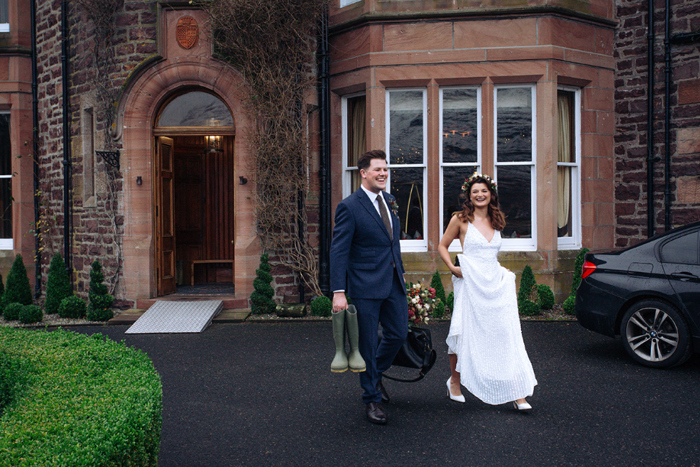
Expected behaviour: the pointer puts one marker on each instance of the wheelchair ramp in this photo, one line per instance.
(176, 317)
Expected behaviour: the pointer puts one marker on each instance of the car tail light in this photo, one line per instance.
(587, 269)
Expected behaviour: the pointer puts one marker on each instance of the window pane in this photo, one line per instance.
(406, 127)
(4, 11)
(682, 250)
(514, 194)
(564, 200)
(453, 196)
(356, 141)
(514, 123)
(459, 125)
(407, 187)
(5, 147)
(5, 208)
(196, 109)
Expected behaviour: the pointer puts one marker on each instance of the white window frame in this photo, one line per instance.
(347, 170)
(574, 242)
(7, 243)
(422, 244)
(520, 244)
(455, 245)
(348, 2)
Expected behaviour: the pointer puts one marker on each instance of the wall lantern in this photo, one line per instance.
(214, 143)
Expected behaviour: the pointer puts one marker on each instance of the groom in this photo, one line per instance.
(366, 263)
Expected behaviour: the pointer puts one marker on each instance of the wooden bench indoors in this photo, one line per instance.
(211, 261)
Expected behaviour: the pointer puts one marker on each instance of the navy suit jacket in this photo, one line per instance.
(363, 257)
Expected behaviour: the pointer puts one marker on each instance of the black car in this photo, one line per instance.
(649, 294)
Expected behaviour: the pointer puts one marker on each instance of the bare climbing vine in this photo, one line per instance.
(102, 15)
(272, 43)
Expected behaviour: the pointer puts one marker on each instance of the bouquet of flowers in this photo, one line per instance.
(421, 303)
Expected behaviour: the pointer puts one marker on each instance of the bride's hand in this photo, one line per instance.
(457, 271)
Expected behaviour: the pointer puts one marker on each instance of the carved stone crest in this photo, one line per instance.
(187, 32)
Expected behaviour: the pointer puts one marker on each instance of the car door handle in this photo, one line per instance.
(684, 276)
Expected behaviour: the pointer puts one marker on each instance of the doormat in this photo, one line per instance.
(209, 288)
(176, 317)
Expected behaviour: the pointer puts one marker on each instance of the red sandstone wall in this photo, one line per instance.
(631, 63)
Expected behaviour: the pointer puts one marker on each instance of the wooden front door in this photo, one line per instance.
(165, 219)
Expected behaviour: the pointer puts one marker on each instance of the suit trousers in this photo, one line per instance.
(392, 313)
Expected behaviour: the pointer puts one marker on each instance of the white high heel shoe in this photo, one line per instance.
(459, 398)
(524, 407)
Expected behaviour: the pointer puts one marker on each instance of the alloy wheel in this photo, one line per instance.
(652, 334)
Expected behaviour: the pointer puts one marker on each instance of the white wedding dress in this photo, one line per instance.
(485, 328)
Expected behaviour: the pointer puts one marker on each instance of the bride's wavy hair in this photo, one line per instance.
(498, 220)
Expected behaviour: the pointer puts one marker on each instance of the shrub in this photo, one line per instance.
(261, 299)
(436, 283)
(439, 311)
(89, 401)
(30, 314)
(72, 307)
(57, 286)
(529, 308)
(11, 380)
(545, 296)
(578, 268)
(451, 301)
(570, 305)
(17, 288)
(11, 312)
(527, 283)
(321, 306)
(527, 294)
(100, 306)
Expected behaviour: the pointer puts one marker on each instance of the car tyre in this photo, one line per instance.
(655, 334)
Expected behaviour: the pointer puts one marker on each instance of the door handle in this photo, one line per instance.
(684, 276)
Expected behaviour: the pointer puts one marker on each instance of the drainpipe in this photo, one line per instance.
(66, 137)
(667, 119)
(650, 123)
(325, 155)
(35, 150)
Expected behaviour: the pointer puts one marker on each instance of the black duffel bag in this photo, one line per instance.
(416, 352)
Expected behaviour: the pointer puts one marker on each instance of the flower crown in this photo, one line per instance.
(479, 178)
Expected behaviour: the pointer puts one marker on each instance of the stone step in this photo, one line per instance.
(230, 302)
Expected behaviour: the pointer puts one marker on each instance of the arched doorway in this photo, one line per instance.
(194, 194)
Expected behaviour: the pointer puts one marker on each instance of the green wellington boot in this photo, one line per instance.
(355, 360)
(340, 361)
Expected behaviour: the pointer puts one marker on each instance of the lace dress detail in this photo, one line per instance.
(485, 328)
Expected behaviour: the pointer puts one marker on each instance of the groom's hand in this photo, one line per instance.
(340, 302)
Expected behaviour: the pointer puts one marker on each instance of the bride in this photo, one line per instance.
(485, 345)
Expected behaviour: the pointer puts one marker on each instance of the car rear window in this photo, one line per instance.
(683, 249)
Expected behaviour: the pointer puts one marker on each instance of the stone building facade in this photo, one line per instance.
(522, 92)
(679, 195)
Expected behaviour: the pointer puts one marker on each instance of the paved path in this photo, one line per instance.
(262, 394)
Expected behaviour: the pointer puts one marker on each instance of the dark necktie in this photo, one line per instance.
(385, 216)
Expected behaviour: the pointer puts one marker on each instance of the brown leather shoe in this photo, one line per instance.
(385, 395)
(375, 413)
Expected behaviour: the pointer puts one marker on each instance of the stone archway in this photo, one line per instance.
(141, 102)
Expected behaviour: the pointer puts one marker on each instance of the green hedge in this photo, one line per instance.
(85, 401)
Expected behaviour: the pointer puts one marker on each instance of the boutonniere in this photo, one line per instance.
(393, 205)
